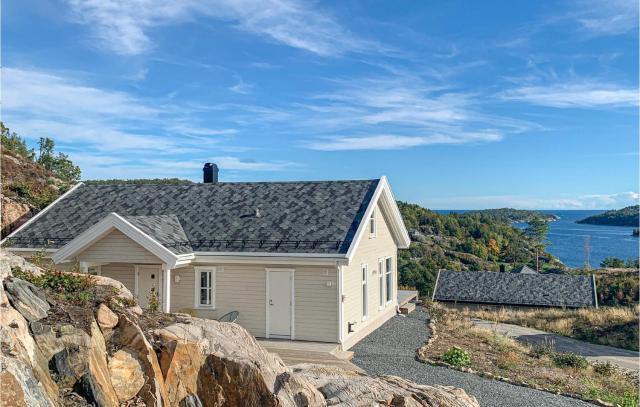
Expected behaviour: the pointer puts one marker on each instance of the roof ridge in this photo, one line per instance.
(196, 184)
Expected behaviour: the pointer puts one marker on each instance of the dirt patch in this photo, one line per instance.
(66, 314)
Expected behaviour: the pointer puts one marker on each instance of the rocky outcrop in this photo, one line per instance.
(24, 364)
(343, 388)
(127, 376)
(236, 371)
(130, 337)
(71, 355)
(106, 318)
(14, 214)
(27, 299)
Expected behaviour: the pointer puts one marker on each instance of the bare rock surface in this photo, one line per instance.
(130, 337)
(106, 318)
(24, 365)
(14, 261)
(237, 370)
(27, 299)
(127, 376)
(13, 213)
(349, 388)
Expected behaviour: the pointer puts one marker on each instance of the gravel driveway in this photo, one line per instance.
(391, 350)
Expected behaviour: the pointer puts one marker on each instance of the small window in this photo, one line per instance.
(372, 224)
(389, 278)
(365, 305)
(204, 287)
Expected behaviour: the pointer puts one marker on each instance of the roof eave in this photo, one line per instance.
(384, 195)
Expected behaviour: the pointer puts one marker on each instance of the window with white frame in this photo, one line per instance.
(372, 224)
(380, 283)
(205, 294)
(389, 278)
(365, 305)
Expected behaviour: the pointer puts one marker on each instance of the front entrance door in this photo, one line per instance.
(149, 281)
(279, 303)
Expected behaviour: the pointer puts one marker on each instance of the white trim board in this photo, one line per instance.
(389, 207)
(42, 212)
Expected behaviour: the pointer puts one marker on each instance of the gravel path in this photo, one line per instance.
(391, 350)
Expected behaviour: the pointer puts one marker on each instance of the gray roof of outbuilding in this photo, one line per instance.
(545, 290)
(294, 217)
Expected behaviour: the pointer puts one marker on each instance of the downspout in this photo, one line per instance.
(340, 306)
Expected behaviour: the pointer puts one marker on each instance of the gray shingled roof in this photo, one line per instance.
(548, 290)
(165, 229)
(294, 217)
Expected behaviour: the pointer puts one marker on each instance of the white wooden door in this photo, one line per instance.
(280, 304)
(149, 279)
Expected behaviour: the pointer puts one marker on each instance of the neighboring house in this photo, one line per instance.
(487, 289)
(311, 261)
(524, 270)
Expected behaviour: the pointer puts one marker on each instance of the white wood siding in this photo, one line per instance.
(123, 272)
(368, 252)
(316, 305)
(242, 288)
(117, 247)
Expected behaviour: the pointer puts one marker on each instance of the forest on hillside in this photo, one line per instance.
(471, 241)
(628, 216)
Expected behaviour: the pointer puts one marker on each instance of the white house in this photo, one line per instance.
(311, 261)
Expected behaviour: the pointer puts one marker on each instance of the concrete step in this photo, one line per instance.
(343, 354)
(407, 308)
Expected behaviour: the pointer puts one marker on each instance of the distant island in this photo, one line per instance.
(620, 217)
(515, 215)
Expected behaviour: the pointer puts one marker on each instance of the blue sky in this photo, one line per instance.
(462, 104)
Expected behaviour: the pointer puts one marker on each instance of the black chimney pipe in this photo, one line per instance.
(210, 171)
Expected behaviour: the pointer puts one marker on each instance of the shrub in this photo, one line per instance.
(604, 369)
(68, 287)
(456, 356)
(154, 301)
(569, 359)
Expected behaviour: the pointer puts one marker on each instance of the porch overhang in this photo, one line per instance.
(115, 221)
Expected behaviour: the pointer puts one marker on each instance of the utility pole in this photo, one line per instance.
(587, 251)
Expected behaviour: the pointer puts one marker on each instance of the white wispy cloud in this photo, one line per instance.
(577, 95)
(608, 17)
(241, 86)
(234, 163)
(39, 103)
(400, 111)
(123, 25)
(112, 133)
(396, 142)
(586, 201)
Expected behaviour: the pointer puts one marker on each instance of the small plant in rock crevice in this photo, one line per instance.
(153, 301)
(456, 356)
